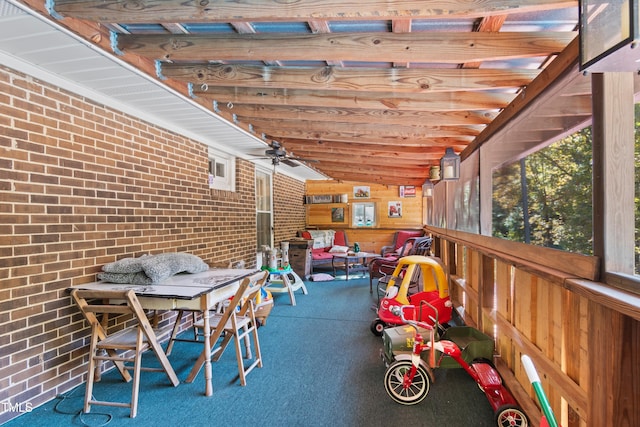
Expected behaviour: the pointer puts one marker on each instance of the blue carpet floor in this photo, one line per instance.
(321, 368)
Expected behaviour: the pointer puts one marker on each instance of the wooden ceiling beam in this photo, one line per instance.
(411, 80)
(302, 10)
(402, 140)
(425, 130)
(386, 176)
(357, 167)
(438, 101)
(372, 150)
(364, 159)
(372, 165)
(378, 179)
(435, 47)
(357, 115)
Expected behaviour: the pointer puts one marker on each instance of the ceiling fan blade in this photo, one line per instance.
(302, 159)
(290, 162)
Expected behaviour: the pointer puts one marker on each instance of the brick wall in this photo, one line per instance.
(288, 211)
(82, 185)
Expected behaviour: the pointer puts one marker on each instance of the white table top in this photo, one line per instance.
(180, 286)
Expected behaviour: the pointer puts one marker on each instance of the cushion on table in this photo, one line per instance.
(149, 269)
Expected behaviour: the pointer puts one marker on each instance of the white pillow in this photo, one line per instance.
(339, 249)
(321, 277)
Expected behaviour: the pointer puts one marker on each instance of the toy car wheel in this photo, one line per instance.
(395, 386)
(510, 415)
(377, 327)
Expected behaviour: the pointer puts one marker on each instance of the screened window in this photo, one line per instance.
(545, 198)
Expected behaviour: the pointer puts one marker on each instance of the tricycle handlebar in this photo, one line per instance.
(398, 310)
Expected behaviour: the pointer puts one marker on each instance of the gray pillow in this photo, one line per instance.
(149, 269)
(138, 278)
(125, 265)
(162, 266)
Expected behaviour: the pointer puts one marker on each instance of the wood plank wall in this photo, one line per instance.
(370, 239)
(583, 336)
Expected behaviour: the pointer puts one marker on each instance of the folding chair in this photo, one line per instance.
(237, 322)
(116, 347)
(241, 325)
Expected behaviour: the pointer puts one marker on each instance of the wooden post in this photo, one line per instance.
(613, 340)
(613, 171)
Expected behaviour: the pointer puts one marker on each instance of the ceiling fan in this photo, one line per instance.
(278, 155)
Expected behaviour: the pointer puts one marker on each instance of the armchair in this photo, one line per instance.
(384, 265)
(399, 240)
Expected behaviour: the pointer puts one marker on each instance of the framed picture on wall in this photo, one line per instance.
(337, 214)
(407, 191)
(395, 210)
(361, 192)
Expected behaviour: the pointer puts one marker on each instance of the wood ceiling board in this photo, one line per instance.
(449, 47)
(303, 10)
(359, 115)
(353, 79)
(437, 101)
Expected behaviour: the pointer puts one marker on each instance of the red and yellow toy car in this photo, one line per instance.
(432, 299)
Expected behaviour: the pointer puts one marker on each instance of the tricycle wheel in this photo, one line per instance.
(377, 327)
(511, 415)
(412, 393)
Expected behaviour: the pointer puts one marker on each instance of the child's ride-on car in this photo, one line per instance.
(415, 270)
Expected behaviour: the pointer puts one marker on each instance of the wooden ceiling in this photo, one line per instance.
(372, 91)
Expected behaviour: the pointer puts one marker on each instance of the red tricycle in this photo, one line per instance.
(408, 376)
(411, 270)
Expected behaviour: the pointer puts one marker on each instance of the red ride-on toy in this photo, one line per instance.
(428, 274)
(409, 374)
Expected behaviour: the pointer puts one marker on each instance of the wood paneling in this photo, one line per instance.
(583, 336)
(370, 238)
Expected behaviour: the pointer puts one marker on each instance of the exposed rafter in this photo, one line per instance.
(354, 79)
(441, 47)
(438, 101)
(303, 10)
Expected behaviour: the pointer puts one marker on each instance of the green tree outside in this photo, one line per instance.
(556, 182)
